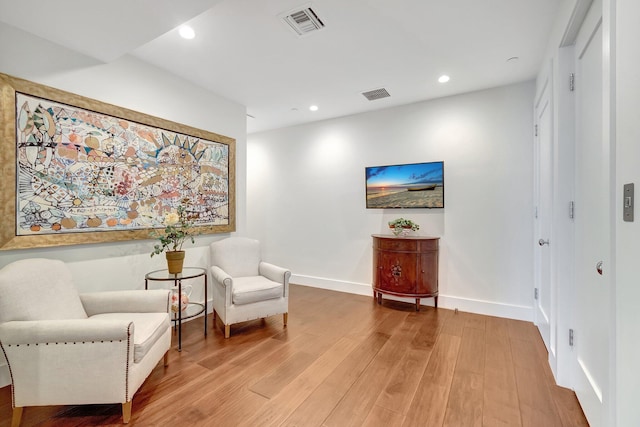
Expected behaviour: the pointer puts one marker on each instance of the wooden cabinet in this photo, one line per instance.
(405, 267)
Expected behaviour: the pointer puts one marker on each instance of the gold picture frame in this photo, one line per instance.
(76, 170)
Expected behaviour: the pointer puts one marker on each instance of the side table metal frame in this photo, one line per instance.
(187, 273)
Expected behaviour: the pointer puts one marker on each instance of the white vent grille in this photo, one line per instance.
(303, 21)
(372, 95)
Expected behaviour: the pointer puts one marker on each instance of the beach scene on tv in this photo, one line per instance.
(417, 185)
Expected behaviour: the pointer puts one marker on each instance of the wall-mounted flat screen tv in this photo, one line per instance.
(415, 185)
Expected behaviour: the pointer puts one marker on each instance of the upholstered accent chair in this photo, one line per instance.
(244, 286)
(66, 348)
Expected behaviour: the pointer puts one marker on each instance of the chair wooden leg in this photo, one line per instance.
(166, 359)
(227, 331)
(17, 416)
(285, 318)
(126, 412)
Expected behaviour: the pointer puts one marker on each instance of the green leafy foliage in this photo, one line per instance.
(178, 229)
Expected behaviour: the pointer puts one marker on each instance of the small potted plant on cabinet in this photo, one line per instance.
(401, 226)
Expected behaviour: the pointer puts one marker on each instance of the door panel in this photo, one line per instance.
(544, 242)
(592, 314)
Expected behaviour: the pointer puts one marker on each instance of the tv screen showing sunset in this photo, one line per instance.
(416, 185)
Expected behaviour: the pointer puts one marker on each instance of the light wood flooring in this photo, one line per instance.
(344, 361)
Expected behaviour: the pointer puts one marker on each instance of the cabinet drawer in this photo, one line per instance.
(428, 245)
(396, 244)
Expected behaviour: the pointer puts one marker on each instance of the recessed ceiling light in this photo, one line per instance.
(313, 108)
(443, 78)
(186, 32)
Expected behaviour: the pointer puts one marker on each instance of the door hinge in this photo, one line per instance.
(572, 82)
(572, 207)
(570, 337)
(536, 130)
(535, 293)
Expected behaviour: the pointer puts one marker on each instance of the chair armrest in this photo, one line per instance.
(62, 331)
(220, 277)
(136, 301)
(275, 273)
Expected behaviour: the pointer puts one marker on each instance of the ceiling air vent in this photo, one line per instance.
(303, 21)
(372, 95)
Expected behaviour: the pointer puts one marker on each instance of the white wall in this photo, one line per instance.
(627, 60)
(129, 83)
(306, 200)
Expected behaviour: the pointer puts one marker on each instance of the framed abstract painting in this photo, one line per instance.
(77, 171)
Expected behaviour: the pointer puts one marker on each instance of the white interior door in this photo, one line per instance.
(544, 284)
(592, 313)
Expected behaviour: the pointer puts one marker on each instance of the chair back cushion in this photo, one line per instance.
(237, 256)
(38, 289)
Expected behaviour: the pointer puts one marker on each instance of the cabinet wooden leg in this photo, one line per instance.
(285, 318)
(227, 331)
(379, 298)
(417, 304)
(436, 298)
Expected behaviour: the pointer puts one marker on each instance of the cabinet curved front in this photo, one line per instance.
(405, 267)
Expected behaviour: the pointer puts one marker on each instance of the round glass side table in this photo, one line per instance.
(193, 309)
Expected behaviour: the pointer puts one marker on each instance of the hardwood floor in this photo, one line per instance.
(344, 361)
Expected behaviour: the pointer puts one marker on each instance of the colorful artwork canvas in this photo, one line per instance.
(78, 170)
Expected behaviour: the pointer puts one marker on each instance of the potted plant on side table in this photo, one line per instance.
(177, 229)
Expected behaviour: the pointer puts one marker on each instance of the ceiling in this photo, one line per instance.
(244, 51)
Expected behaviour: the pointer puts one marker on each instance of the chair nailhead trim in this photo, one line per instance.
(70, 342)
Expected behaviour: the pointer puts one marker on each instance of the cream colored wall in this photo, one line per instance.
(306, 200)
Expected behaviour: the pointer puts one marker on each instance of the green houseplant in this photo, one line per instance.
(178, 228)
(402, 226)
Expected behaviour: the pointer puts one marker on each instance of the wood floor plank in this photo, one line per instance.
(313, 411)
(430, 401)
(284, 403)
(432, 320)
(403, 382)
(355, 406)
(270, 385)
(455, 324)
(465, 403)
(343, 359)
(317, 407)
(472, 351)
(501, 405)
(568, 407)
(475, 321)
(382, 417)
(537, 406)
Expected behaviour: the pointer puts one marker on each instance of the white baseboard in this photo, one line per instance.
(489, 308)
(332, 285)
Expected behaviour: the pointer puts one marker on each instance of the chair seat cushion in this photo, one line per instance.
(147, 329)
(247, 290)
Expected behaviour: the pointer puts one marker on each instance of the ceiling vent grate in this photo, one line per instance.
(372, 95)
(303, 21)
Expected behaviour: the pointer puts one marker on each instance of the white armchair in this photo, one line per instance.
(66, 348)
(244, 286)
